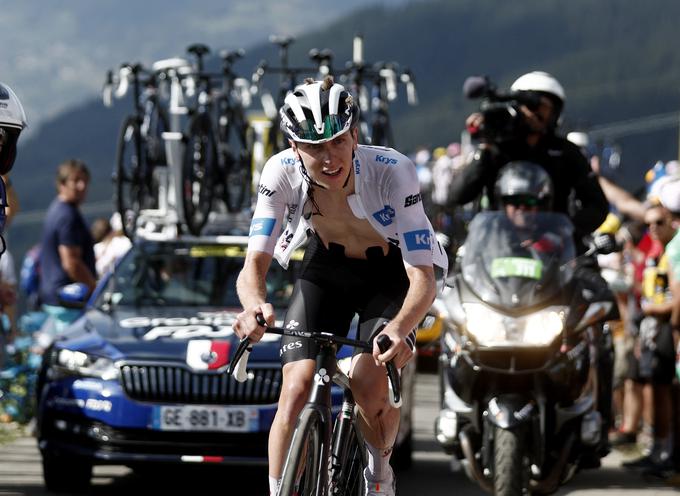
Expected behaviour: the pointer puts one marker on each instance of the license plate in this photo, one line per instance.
(205, 418)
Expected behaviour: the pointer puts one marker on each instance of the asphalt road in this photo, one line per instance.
(431, 475)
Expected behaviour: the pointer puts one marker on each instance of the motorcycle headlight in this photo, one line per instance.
(491, 328)
(69, 362)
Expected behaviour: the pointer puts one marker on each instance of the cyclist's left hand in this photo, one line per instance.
(400, 351)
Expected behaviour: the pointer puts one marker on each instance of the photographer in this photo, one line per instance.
(521, 125)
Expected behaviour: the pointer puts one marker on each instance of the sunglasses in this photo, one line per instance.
(658, 222)
(4, 137)
(521, 200)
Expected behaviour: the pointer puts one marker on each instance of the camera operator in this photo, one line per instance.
(523, 127)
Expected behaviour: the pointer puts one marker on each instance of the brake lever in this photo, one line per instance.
(384, 343)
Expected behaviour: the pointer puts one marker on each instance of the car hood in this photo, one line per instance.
(161, 334)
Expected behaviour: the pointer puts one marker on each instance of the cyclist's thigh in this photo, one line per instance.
(313, 307)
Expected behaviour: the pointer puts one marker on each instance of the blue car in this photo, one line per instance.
(140, 378)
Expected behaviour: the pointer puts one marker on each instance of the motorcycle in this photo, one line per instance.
(519, 360)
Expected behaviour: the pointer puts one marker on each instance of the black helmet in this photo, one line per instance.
(318, 111)
(525, 183)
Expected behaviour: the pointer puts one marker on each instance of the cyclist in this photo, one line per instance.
(539, 143)
(371, 251)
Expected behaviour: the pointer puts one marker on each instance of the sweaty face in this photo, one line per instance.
(329, 164)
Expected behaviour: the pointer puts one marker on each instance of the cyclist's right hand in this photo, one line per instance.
(246, 323)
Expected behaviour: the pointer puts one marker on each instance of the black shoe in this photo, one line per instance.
(643, 462)
(622, 438)
(660, 470)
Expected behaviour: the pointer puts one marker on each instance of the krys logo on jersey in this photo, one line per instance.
(262, 226)
(385, 215)
(418, 240)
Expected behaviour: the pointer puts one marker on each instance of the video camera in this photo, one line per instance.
(503, 121)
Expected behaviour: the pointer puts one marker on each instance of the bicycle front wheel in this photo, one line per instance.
(130, 165)
(303, 467)
(198, 172)
(347, 474)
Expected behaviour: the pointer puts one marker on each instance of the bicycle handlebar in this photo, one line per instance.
(238, 364)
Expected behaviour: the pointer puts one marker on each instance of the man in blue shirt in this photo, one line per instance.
(67, 254)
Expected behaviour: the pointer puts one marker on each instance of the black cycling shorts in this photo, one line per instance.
(656, 364)
(332, 288)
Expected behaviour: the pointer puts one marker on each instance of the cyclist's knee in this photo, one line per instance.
(297, 382)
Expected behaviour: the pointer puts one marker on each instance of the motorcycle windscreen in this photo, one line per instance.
(519, 261)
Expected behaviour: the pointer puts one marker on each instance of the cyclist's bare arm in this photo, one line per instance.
(420, 295)
(252, 292)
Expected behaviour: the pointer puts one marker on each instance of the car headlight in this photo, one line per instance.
(69, 362)
(491, 328)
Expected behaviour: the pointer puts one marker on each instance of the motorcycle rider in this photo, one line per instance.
(538, 143)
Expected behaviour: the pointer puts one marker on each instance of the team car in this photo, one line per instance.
(141, 377)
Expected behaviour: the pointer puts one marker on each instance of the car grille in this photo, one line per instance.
(177, 384)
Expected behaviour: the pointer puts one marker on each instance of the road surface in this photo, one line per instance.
(431, 475)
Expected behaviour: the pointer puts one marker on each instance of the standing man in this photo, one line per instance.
(371, 251)
(67, 253)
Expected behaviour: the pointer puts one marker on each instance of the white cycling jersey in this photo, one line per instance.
(387, 195)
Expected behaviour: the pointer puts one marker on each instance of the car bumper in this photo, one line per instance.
(94, 419)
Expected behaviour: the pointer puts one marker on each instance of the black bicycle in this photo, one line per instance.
(324, 457)
(375, 86)
(140, 145)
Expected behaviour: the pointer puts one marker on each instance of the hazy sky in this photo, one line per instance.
(56, 53)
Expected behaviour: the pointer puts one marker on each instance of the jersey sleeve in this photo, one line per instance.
(272, 196)
(416, 238)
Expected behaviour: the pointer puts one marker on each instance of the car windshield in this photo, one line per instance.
(174, 274)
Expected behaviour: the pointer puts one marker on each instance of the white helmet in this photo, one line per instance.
(539, 81)
(12, 121)
(318, 111)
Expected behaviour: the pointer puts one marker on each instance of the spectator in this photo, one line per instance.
(67, 253)
(656, 350)
(111, 245)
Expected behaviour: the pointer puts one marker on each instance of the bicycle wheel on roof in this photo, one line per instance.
(130, 184)
(198, 172)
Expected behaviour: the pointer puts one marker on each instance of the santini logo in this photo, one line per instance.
(385, 160)
(263, 190)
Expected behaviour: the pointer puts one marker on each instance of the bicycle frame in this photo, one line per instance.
(318, 407)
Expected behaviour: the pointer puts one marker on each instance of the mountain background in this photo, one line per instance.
(617, 59)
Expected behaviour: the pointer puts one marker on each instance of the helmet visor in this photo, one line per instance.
(333, 125)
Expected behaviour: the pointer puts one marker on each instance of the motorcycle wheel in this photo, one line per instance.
(509, 467)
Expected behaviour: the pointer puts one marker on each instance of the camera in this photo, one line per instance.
(503, 120)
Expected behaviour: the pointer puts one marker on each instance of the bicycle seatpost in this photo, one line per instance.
(283, 42)
(199, 50)
(323, 59)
